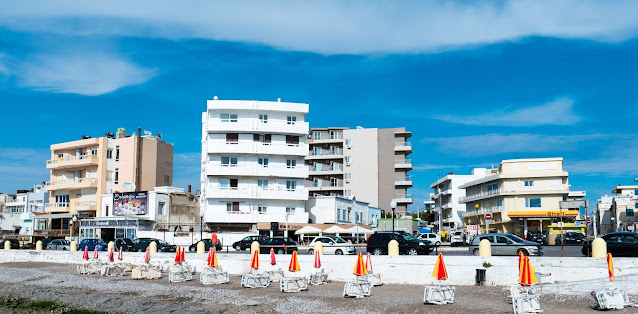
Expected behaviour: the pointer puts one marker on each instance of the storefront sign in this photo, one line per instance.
(108, 223)
(130, 203)
(543, 213)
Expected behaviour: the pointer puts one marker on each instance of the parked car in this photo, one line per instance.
(245, 243)
(208, 243)
(457, 239)
(91, 244)
(623, 243)
(125, 243)
(570, 238)
(434, 238)
(332, 245)
(45, 242)
(506, 244)
(536, 236)
(279, 244)
(64, 245)
(408, 244)
(142, 243)
(15, 244)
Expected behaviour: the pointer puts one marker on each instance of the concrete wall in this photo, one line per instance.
(394, 269)
(365, 172)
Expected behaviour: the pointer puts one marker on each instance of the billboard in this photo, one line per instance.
(130, 203)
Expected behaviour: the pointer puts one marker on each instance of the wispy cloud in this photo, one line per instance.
(186, 170)
(557, 112)
(497, 143)
(22, 168)
(85, 74)
(333, 27)
(620, 159)
(424, 167)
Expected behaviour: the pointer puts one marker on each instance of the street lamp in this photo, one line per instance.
(75, 218)
(201, 224)
(393, 205)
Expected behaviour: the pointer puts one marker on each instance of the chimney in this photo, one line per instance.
(189, 188)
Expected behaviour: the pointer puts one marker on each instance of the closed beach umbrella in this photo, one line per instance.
(273, 261)
(178, 259)
(317, 259)
(294, 263)
(95, 256)
(181, 256)
(360, 266)
(369, 263)
(521, 257)
(147, 256)
(254, 264)
(527, 276)
(440, 273)
(213, 258)
(119, 256)
(111, 259)
(610, 267)
(85, 256)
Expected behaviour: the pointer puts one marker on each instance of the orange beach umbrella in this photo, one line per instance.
(527, 276)
(181, 256)
(85, 256)
(610, 267)
(212, 261)
(294, 263)
(178, 259)
(317, 259)
(254, 264)
(521, 257)
(440, 273)
(360, 266)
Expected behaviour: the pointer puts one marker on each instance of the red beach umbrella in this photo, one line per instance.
(521, 258)
(147, 256)
(369, 263)
(181, 257)
(95, 253)
(85, 256)
(440, 273)
(273, 261)
(294, 263)
(254, 264)
(178, 259)
(119, 256)
(360, 266)
(317, 259)
(111, 259)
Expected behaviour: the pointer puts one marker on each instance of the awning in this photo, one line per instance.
(358, 230)
(54, 216)
(308, 230)
(336, 230)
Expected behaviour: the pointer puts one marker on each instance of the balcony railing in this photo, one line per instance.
(523, 189)
(403, 162)
(72, 158)
(403, 198)
(403, 180)
(482, 211)
(322, 153)
(403, 146)
(56, 205)
(72, 181)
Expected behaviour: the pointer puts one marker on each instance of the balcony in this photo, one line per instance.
(447, 205)
(403, 147)
(403, 181)
(403, 164)
(334, 138)
(73, 162)
(338, 154)
(71, 184)
(272, 170)
(326, 187)
(300, 194)
(251, 147)
(403, 198)
(84, 206)
(483, 211)
(57, 207)
(253, 125)
(557, 189)
(53, 232)
(326, 170)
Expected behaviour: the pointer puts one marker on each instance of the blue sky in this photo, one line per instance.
(475, 83)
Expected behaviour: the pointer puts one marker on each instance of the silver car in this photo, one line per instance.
(63, 245)
(332, 245)
(506, 244)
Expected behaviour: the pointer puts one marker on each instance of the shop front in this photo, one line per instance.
(108, 229)
(537, 220)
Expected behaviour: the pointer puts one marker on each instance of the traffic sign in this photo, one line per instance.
(488, 216)
(589, 221)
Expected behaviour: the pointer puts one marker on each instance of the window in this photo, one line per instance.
(109, 153)
(502, 240)
(94, 151)
(529, 183)
(317, 136)
(290, 210)
(348, 193)
(229, 161)
(334, 166)
(262, 184)
(60, 155)
(629, 212)
(117, 152)
(348, 143)
(265, 139)
(263, 162)
(292, 140)
(228, 117)
(492, 187)
(532, 202)
(334, 182)
(291, 119)
(291, 163)
(232, 138)
(167, 179)
(262, 209)
(334, 135)
(263, 118)
(318, 166)
(232, 206)
(160, 208)
(317, 151)
(334, 150)
(317, 183)
(347, 160)
(224, 184)
(347, 176)
(499, 203)
(291, 185)
(117, 175)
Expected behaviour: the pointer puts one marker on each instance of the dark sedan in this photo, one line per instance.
(246, 242)
(208, 243)
(125, 243)
(623, 243)
(15, 244)
(280, 245)
(91, 244)
(142, 243)
(570, 238)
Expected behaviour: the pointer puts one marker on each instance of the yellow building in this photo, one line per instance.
(521, 195)
(83, 170)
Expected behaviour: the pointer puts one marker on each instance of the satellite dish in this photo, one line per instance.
(128, 186)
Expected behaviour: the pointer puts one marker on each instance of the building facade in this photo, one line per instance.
(341, 210)
(445, 199)
(83, 170)
(521, 195)
(369, 164)
(253, 163)
(623, 206)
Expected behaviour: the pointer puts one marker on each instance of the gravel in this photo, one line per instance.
(60, 282)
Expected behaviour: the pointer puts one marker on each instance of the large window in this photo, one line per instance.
(227, 184)
(492, 187)
(228, 161)
(317, 151)
(291, 119)
(265, 139)
(262, 184)
(291, 185)
(533, 202)
(228, 117)
(316, 135)
(292, 140)
(263, 118)
(529, 183)
(232, 206)
(263, 161)
(291, 163)
(232, 138)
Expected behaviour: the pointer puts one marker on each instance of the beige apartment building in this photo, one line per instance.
(368, 164)
(521, 195)
(83, 170)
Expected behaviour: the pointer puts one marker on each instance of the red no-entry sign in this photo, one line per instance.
(488, 216)
(588, 221)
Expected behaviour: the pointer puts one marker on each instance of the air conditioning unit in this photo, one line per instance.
(347, 180)
(348, 146)
(348, 164)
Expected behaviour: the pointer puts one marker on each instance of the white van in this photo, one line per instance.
(434, 238)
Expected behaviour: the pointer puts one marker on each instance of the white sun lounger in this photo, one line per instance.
(374, 279)
(180, 273)
(146, 271)
(319, 278)
(357, 288)
(254, 280)
(111, 269)
(439, 295)
(275, 275)
(92, 267)
(213, 275)
(611, 299)
(524, 300)
(293, 284)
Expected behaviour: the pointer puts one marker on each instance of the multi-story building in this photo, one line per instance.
(253, 163)
(11, 208)
(446, 198)
(623, 207)
(83, 170)
(604, 223)
(521, 195)
(369, 164)
(341, 210)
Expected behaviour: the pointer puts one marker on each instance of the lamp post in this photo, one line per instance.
(73, 220)
(286, 233)
(393, 205)
(201, 225)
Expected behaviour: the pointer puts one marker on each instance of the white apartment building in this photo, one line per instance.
(341, 210)
(622, 210)
(521, 195)
(253, 163)
(604, 222)
(446, 198)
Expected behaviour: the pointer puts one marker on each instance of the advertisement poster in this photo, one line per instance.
(130, 203)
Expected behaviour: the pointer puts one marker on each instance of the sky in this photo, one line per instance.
(475, 83)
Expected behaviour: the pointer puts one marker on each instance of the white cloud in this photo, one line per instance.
(333, 27)
(620, 159)
(22, 168)
(85, 74)
(557, 112)
(496, 143)
(423, 167)
(186, 170)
